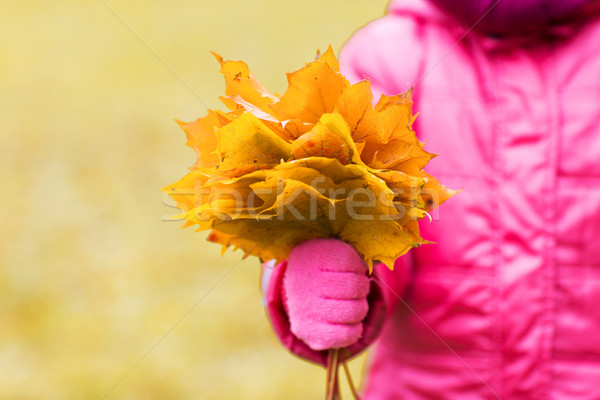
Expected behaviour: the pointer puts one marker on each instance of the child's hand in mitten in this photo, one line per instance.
(325, 290)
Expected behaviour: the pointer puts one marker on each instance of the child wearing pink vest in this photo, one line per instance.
(506, 304)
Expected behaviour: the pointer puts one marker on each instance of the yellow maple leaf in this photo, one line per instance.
(247, 141)
(241, 82)
(312, 92)
(330, 138)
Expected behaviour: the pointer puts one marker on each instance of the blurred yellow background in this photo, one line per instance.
(91, 276)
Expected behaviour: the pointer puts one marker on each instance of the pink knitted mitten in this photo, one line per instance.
(325, 289)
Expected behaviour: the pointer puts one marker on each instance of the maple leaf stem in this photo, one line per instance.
(333, 389)
(350, 381)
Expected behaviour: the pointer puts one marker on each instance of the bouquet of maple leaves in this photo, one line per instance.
(320, 161)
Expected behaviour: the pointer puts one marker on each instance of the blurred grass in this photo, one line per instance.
(90, 275)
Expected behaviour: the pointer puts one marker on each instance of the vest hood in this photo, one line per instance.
(502, 17)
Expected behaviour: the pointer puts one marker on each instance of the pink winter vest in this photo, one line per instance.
(507, 303)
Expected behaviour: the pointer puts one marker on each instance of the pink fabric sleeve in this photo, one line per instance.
(383, 299)
(394, 283)
(386, 65)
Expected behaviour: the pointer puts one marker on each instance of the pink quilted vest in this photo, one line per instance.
(507, 303)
